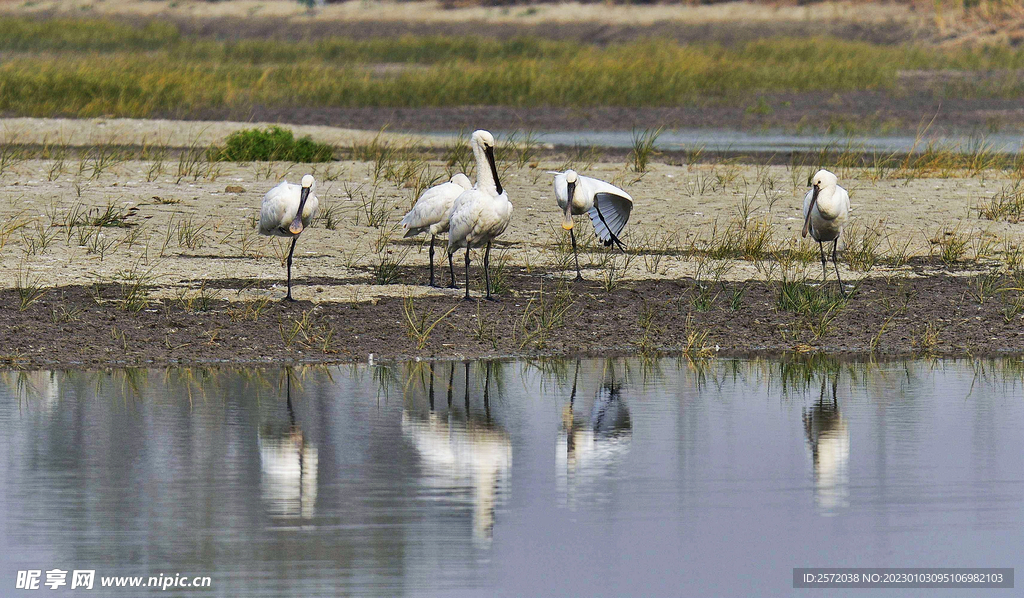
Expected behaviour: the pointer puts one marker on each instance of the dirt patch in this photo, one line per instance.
(82, 326)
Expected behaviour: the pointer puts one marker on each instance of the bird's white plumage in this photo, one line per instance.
(481, 213)
(830, 210)
(434, 206)
(478, 217)
(280, 205)
(592, 196)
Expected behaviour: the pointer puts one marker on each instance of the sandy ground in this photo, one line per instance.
(84, 132)
(219, 210)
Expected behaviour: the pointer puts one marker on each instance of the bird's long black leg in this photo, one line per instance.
(575, 255)
(467, 275)
(487, 274)
(451, 270)
(835, 246)
(290, 252)
(824, 272)
(432, 261)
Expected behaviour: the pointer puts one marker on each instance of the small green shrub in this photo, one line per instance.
(271, 144)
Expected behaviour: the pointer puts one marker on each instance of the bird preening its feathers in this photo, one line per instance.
(287, 210)
(431, 214)
(607, 206)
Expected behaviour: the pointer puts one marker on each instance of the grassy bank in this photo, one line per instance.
(97, 67)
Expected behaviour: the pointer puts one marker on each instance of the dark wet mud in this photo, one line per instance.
(536, 314)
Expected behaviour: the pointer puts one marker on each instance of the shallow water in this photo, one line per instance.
(723, 140)
(597, 478)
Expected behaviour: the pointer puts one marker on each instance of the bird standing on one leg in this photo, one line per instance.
(482, 213)
(287, 210)
(607, 205)
(826, 207)
(431, 214)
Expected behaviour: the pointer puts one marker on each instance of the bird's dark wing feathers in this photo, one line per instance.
(609, 216)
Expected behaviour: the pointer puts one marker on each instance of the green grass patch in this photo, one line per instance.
(801, 298)
(271, 144)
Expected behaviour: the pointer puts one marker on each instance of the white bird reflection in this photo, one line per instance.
(828, 439)
(288, 463)
(591, 448)
(463, 460)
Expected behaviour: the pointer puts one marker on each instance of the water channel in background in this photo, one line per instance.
(723, 140)
(600, 477)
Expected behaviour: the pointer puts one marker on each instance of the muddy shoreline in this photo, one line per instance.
(89, 326)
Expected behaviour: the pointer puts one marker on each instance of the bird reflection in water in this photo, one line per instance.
(466, 460)
(592, 444)
(828, 438)
(288, 463)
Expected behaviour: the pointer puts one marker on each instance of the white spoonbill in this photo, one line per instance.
(607, 205)
(482, 213)
(287, 210)
(826, 207)
(431, 214)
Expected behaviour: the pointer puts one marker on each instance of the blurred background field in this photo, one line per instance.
(823, 67)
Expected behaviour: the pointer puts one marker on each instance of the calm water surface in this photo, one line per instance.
(724, 140)
(592, 478)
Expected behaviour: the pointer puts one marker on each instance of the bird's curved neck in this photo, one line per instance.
(827, 202)
(486, 171)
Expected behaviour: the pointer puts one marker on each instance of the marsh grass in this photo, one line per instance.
(375, 206)
(29, 289)
(653, 247)
(696, 346)
(926, 339)
(644, 148)
(11, 154)
(329, 217)
(135, 285)
(797, 295)
(707, 281)
(11, 226)
(580, 158)
(309, 331)
(1008, 204)
(543, 313)
(647, 323)
(190, 234)
(110, 216)
(387, 257)
(249, 310)
(517, 149)
(500, 277)
(458, 156)
(105, 73)
(420, 325)
(196, 300)
(862, 247)
(38, 238)
(952, 244)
